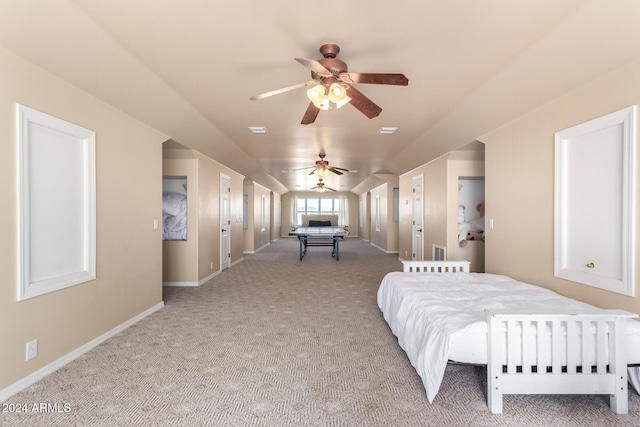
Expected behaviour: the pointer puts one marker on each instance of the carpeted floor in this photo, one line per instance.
(275, 341)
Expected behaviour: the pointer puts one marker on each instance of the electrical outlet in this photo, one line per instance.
(32, 349)
(211, 265)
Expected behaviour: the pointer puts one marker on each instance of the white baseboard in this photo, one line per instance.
(70, 357)
(180, 284)
(384, 250)
(209, 277)
(262, 247)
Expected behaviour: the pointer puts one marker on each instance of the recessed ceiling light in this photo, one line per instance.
(285, 171)
(258, 129)
(388, 130)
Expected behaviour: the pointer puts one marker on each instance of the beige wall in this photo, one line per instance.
(129, 250)
(209, 242)
(180, 257)
(519, 187)
(434, 175)
(474, 251)
(364, 216)
(248, 240)
(276, 216)
(262, 228)
(257, 235)
(440, 204)
(435, 205)
(386, 238)
(198, 258)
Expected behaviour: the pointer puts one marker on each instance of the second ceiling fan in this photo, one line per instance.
(322, 168)
(321, 188)
(333, 85)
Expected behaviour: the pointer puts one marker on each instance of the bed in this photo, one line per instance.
(441, 313)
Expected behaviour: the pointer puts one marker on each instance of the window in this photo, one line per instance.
(323, 206)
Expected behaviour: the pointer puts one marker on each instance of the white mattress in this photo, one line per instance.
(439, 317)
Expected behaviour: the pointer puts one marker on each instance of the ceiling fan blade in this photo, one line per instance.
(329, 188)
(362, 103)
(310, 115)
(342, 169)
(375, 78)
(282, 90)
(299, 169)
(334, 170)
(315, 66)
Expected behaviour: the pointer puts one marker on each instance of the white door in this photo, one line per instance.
(225, 222)
(417, 253)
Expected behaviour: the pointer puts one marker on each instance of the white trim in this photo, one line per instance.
(224, 178)
(41, 373)
(201, 281)
(384, 250)
(209, 277)
(182, 284)
(577, 271)
(262, 247)
(48, 260)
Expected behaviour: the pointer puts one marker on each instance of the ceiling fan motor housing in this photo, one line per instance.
(330, 62)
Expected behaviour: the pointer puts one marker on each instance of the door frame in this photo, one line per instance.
(225, 262)
(415, 180)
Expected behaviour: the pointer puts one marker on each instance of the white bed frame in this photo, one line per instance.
(435, 266)
(609, 375)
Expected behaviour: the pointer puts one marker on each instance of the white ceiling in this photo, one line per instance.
(188, 68)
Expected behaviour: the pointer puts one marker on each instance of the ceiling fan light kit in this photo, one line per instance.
(331, 75)
(322, 172)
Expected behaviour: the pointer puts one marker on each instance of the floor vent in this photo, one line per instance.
(439, 253)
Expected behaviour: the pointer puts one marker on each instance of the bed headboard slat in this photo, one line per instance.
(435, 266)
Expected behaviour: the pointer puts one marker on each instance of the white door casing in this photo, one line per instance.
(416, 229)
(225, 222)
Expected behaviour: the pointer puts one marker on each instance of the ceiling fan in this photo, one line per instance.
(322, 168)
(320, 187)
(333, 85)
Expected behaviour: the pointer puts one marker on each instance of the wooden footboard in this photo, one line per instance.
(577, 369)
(436, 266)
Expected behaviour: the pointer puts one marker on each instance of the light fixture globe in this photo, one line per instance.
(337, 93)
(316, 94)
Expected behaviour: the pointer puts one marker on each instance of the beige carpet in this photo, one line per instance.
(275, 341)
